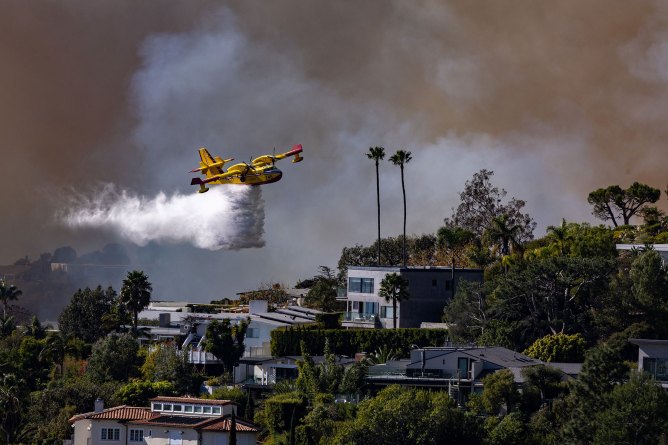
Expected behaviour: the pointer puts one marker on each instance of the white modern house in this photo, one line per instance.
(168, 421)
(429, 288)
(188, 329)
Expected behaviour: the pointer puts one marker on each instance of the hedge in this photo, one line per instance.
(286, 341)
(281, 411)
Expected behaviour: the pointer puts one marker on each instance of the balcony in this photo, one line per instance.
(360, 320)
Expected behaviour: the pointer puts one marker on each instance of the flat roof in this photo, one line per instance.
(648, 341)
(413, 268)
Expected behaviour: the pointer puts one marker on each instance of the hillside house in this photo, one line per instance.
(460, 369)
(168, 421)
(653, 358)
(430, 289)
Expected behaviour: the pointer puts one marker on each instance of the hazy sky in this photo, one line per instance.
(557, 98)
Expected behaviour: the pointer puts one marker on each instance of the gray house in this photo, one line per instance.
(430, 288)
(653, 358)
(459, 369)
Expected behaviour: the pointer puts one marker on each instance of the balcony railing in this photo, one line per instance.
(359, 317)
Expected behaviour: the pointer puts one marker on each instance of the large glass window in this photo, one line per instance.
(110, 433)
(362, 285)
(370, 308)
(657, 367)
(386, 312)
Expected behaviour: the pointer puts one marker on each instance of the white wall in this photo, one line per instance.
(161, 435)
(222, 438)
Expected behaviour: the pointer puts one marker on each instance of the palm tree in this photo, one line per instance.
(393, 288)
(7, 325)
(136, 294)
(503, 233)
(400, 158)
(382, 355)
(55, 349)
(560, 234)
(7, 294)
(454, 240)
(377, 154)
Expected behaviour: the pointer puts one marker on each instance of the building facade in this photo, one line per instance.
(429, 288)
(168, 421)
(653, 358)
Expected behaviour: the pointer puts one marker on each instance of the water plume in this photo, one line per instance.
(224, 218)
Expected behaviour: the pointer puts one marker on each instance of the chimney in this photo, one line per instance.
(99, 405)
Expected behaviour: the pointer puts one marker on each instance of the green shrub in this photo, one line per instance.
(558, 348)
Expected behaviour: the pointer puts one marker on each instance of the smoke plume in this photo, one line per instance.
(223, 218)
(557, 98)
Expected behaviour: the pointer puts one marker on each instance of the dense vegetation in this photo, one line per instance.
(568, 296)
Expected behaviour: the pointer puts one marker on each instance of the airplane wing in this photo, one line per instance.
(267, 159)
(209, 165)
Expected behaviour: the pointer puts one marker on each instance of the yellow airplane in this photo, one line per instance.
(261, 170)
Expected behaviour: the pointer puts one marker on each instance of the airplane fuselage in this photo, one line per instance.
(252, 177)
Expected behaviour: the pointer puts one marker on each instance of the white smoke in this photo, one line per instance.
(223, 218)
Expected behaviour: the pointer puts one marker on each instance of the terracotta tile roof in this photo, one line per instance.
(161, 399)
(225, 424)
(219, 423)
(122, 412)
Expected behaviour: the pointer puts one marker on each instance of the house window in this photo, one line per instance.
(157, 407)
(252, 333)
(110, 433)
(656, 367)
(448, 284)
(370, 308)
(167, 407)
(361, 285)
(136, 435)
(463, 367)
(216, 410)
(187, 408)
(207, 410)
(178, 408)
(198, 409)
(386, 312)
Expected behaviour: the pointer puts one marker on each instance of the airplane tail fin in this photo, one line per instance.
(210, 166)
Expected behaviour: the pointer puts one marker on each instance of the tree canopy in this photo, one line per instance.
(136, 294)
(616, 204)
(226, 341)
